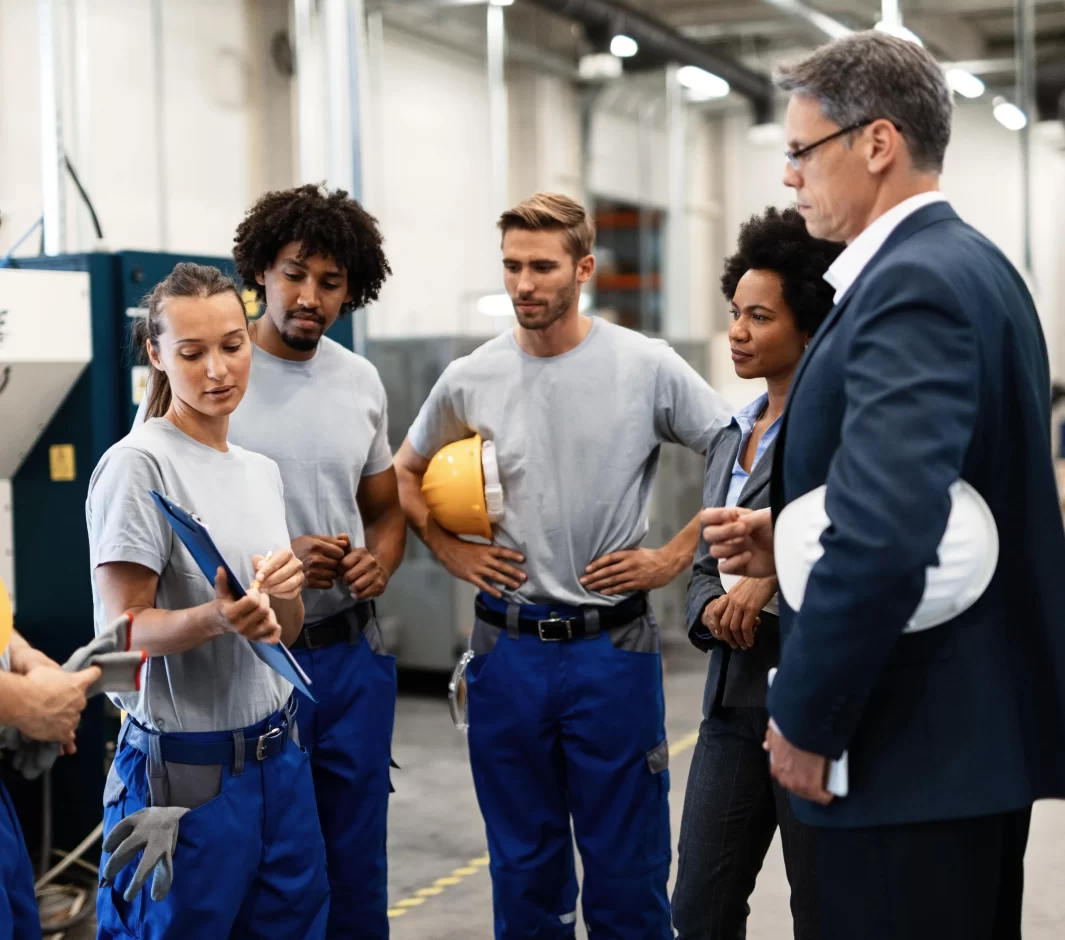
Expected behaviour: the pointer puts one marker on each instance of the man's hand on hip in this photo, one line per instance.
(639, 569)
(741, 540)
(796, 770)
(483, 566)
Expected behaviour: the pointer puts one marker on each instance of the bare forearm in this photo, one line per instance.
(414, 506)
(289, 615)
(165, 632)
(681, 548)
(24, 657)
(386, 538)
(12, 699)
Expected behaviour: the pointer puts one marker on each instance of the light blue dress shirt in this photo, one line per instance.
(746, 419)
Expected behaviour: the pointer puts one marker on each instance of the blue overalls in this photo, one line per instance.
(348, 734)
(571, 728)
(19, 919)
(249, 861)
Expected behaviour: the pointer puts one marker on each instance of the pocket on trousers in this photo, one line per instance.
(193, 786)
(640, 636)
(658, 758)
(114, 787)
(484, 638)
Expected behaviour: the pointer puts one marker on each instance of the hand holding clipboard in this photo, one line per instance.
(195, 538)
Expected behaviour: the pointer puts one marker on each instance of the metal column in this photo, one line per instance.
(54, 208)
(497, 104)
(330, 37)
(675, 315)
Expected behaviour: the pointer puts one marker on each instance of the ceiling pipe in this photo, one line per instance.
(666, 43)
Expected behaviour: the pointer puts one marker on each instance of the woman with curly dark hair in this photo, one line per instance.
(777, 297)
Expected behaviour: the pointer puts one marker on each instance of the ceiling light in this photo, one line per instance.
(599, 66)
(1009, 115)
(501, 3)
(965, 83)
(900, 31)
(624, 47)
(702, 84)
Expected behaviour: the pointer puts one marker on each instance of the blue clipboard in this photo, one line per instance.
(205, 553)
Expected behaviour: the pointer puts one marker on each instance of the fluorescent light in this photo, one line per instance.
(765, 135)
(500, 305)
(900, 31)
(600, 65)
(501, 3)
(624, 47)
(965, 83)
(1009, 115)
(703, 84)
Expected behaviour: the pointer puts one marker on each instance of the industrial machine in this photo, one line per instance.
(426, 615)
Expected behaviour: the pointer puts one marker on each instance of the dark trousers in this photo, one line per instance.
(953, 880)
(731, 810)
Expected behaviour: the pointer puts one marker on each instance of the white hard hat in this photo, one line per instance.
(968, 555)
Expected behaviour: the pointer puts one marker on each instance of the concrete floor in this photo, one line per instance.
(439, 886)
(438, 883)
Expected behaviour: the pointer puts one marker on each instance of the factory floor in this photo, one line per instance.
(438, 881)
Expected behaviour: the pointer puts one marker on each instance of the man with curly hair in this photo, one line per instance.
(319, 411)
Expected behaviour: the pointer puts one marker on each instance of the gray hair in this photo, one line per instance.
(873, 75)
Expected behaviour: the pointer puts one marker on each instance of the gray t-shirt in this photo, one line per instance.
(222, 684)
(325, 423)
(577, 438)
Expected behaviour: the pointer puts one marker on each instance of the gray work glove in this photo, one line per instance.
(118, 673)
(114, 638)
(154, 830)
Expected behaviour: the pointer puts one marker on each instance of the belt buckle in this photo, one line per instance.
(272, 735)
(553, 621)
(308, 632)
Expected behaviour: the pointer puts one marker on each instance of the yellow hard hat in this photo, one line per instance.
(461, 487)
(7, 619)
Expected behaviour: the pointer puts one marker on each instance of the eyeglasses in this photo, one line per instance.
(795, 156)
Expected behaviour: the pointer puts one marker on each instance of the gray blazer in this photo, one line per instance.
(735, 678)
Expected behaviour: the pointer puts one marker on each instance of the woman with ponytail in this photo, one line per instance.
(211, 730)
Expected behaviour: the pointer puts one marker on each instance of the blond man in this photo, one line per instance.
(565, 693)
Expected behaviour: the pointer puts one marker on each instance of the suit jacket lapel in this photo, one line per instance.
(722, 460)
(761, 473)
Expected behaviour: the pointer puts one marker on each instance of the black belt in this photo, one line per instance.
(335, 629)
(570, 626)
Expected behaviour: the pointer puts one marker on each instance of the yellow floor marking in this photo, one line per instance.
(688, 741)
(475, 865)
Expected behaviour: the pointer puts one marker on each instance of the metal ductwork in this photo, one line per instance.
(667, 44)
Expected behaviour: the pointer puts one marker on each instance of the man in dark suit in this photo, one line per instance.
(931, 367)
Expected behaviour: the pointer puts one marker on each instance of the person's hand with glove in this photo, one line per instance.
(153, 830)
(115, 669)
